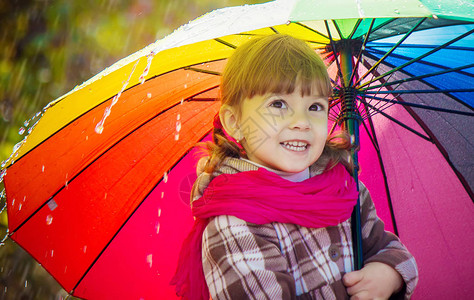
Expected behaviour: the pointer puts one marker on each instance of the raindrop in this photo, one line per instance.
(288, 22)
(176, 137)
(52, 253)
(17, 146)
(157, 227)
(435, 17)
(147, 68)
(19, 206)
(26, 123)
(84, 249)
(42, 169)
(421, 5)
(162, 195)
(149, 259)
(159, 212)
(99, 128)
(148, 95)
(21, 131)
(178, 117)
(185, 86)
(165, 177)
(2, 174)
(49, 220)
(178, 125)
(26, 283)
(396, 11)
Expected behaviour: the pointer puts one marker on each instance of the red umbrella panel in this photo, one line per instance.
(126, 161)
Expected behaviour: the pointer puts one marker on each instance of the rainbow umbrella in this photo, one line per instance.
(97, 192)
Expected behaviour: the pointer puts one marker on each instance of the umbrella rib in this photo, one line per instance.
(425, 82)
(337, 28)
(354, 71)
(391, 50)
(428, 107)
(419, 77)
(421, 91)
(311, 29)
(225, 43)
(373, 138)
(203, 71)
(401, 124)
(427, 63)
(335, 53)
(357, 26)
(423, 56)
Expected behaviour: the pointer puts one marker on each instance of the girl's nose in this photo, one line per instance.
(299, 121)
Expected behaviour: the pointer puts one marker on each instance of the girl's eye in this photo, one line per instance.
(278, 104)
(316, 107)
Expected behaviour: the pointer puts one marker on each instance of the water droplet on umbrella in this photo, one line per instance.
(149, 259)
(17, 146)
(421, 5)
(148, 95)
(84, 249)
(2, 174)
(185, 86)
(26, 123)
(52, 253)
(396, 11)
(21, 131)
(162, 195)
(288, 22)
(435, 17)
(176, 137)
(42, 169)
(100, 126)
(147, 68)
(159, 212)
(157, 227)
(19, 206)
(49, 219)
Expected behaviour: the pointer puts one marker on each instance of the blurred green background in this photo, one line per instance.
(46, 48)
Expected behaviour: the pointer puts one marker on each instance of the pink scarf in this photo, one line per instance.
(262, 197)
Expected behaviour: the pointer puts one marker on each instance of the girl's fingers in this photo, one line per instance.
(352, 278)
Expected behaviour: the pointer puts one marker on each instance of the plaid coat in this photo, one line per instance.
(287, 261)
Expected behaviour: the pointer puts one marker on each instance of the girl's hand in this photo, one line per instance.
(374, 281)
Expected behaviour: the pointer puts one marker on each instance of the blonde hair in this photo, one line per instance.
(273, 64)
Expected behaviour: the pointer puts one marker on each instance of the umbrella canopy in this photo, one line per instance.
(95, 191)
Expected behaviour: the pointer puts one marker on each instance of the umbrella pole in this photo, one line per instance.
(350, 123)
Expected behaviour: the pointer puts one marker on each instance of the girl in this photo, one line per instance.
(273, 199)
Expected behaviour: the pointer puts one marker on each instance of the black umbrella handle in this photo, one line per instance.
(357, 237)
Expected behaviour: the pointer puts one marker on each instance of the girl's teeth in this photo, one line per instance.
(295, 146)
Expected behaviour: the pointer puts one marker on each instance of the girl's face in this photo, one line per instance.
(284, 132)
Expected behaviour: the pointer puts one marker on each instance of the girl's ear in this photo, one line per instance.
(230, 121)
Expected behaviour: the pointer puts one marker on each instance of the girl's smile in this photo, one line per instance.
(284, 132)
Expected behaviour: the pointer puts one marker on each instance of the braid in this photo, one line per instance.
(220, 148)
(337, 150)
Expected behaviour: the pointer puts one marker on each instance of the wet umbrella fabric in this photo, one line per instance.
(102, 209)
